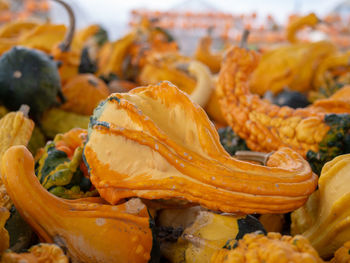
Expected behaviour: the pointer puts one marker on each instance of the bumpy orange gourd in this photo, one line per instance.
(265, 126)
(89, 229)
(272, 248)
(342, 255)
(41, 253)
(83, 92)
(155, 143)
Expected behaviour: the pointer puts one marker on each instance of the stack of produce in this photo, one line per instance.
(96, 170)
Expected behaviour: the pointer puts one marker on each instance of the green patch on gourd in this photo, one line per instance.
(336, 142)
(62, 176)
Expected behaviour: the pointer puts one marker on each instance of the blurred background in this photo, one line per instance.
(188, 20)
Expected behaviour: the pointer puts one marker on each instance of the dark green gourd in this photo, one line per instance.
(29, 76)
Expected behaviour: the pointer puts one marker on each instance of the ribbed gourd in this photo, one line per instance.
(179, 157)
(324, 219)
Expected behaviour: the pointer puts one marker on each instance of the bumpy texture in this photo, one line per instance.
(15, 129)
(266, 127)
(269, 249)
(155, 143)
(342, 255)
(41, 253)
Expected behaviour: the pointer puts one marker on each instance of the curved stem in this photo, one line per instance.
(65, 45)
(253, 156)
(244, 39)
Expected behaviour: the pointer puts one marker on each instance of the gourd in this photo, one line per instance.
(291, 65)
(49, 253)
(309, 20)
(131, 52)
(88, 229)
(93, 88)
(11, 32)
(332, 62)
(29, 76)
(273, 247)
(189, 76)
(315, 132)
(204, 54)
(56, 121)
(60, 168)
(179, 157)
(89, 40)
(202, 232)
(342, 254)
(15, 129)
(328, 227)
(43, 37)
(112, 55)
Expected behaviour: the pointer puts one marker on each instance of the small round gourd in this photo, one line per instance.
(83, 92)
(29, 76)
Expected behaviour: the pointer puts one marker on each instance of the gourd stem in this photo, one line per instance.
(253, 156)
(65, 45)
(244, 39)
(24, 109)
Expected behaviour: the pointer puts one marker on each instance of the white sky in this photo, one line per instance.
(114, 14)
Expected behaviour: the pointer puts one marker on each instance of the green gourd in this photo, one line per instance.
(29, 76)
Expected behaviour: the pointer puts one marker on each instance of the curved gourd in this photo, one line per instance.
(155, 143)
(315, 132)
(89, 229)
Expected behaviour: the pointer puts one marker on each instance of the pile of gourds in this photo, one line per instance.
(142, 174)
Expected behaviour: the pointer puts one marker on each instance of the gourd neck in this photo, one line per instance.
(204, 87)
(65, 45)
(292, 30)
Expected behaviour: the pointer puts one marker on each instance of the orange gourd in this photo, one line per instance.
(88, 229)
(155, 143)
(83, 92)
